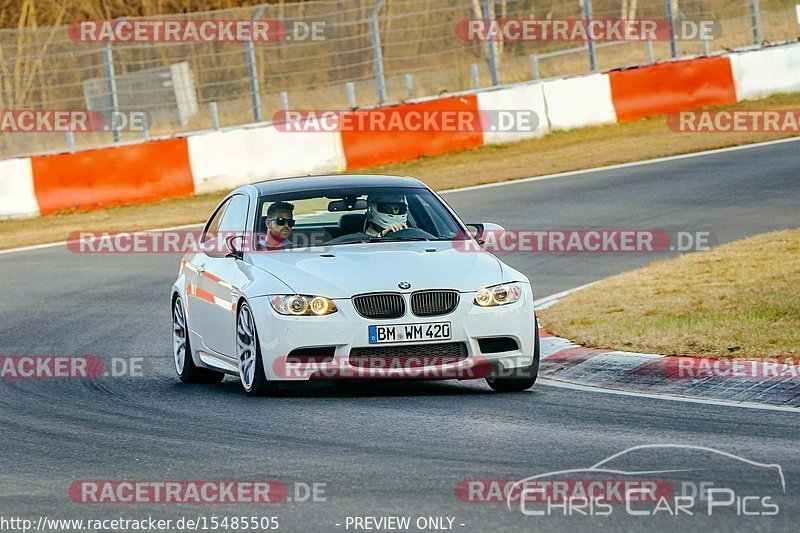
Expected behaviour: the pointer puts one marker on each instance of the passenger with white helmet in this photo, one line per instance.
(386, 214)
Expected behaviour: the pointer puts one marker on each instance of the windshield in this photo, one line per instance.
(353, 215)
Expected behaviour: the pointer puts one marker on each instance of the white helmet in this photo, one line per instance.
(381, 210)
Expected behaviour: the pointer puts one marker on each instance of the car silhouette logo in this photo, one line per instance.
(404, 285)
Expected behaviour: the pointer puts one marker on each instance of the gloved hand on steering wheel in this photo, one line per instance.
(385, 215)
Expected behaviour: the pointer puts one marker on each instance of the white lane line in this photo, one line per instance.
(547, 301)
(621, 165)
(65, 243)
(499, 184)
(669, 397)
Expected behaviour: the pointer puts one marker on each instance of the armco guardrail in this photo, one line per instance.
(152, 170)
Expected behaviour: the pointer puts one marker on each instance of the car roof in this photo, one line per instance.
(310, 183)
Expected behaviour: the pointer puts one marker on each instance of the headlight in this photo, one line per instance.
(299, 305)
(504, 294)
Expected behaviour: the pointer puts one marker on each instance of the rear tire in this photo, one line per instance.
(248, 353)
(522, 378)
(187, 371)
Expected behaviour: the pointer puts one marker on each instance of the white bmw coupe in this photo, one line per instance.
(335, 277)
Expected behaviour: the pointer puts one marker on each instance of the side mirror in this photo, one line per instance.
(479, 231)
(476, 230)
(234, 245)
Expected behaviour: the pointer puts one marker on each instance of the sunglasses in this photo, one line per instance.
(283, 221)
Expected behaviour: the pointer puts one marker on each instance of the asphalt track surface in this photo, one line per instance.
(386, 449)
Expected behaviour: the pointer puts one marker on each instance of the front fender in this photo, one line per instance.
(262, 283)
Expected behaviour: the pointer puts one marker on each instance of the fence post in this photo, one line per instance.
(492, 47)
(755, 11)
(212, 107)
(587, 16)
(377, 53)
(651, 56)
(252, 71)
(473, 72)
(410, 85)
(285, 100)
(108, 64)
(351, 94)
(673, 47)
(535, 66)
(70, 140)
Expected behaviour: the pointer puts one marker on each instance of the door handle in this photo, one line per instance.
(201, 269)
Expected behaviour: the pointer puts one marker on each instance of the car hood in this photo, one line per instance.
(345, 270)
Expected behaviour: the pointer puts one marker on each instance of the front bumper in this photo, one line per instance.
(279, 335)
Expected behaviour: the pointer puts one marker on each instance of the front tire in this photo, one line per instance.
(248, 353)
(522, 378)
(187, 371)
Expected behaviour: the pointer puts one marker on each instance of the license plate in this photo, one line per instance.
(430, 331)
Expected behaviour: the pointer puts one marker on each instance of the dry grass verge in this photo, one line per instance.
(741, 299)
(559, 152)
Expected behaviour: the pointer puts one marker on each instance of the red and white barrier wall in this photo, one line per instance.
(227, 159)
(669, 87)
(133, 173)
(527, 97)
(761, 73)
(207, 162)
(579, 102)
(17, 195)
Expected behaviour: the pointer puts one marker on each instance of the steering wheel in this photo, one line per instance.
(410, 233)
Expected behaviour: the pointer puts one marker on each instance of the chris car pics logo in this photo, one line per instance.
(655, 480)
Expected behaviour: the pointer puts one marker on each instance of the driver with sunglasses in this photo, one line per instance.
(386, 214)
(279, 226)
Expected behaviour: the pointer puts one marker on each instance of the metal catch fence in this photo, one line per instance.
(370, 52)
